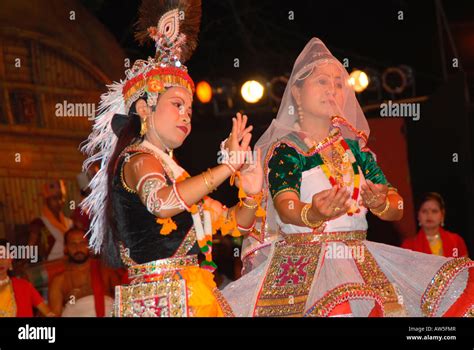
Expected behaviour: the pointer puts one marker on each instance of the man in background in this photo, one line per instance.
(85, 288)
(47, 231)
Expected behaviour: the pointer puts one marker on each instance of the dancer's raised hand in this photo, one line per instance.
(238, 141)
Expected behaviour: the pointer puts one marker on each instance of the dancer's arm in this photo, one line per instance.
(146, 176)
(245, 215)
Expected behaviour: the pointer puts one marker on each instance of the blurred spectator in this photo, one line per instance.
(17, 296)
(48, 230)
(85, 288)
(432, 238)
(81, 219)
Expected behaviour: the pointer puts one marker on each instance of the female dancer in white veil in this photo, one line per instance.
(311, 257)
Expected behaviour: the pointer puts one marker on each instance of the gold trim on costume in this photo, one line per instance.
(309, 237)
(122, 177)
(165, 298)
(440, 283)
(161, 266)
(375, 278)
(469, 313)
(343, 293)
(223, 304)
(187, 244)
(287, 189)
(288, 279)
(125, 256)
(140, 148)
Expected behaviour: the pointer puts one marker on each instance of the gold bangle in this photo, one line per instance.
(206, 182)
(304, 217)
(214, 188)
(248, 206)
(230, 167)
(384, 210)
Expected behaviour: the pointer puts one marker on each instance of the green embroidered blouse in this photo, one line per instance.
(290, 159)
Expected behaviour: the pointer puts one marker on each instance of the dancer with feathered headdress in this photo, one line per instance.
(146, 210)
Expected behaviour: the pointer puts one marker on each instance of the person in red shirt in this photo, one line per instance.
(18, 297)
(432, 238)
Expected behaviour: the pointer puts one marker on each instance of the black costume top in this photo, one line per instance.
(137, 227)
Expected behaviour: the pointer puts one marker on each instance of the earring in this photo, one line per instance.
(300, 114)
(143, 127)
(442, 224)
(10, 268)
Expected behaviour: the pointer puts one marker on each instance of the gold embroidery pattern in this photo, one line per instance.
(305, 238)
(161, 266)
(375, 278)
(224, 305)
(166, 298)
(341, 294)
(286, 190)
(440, 283)
(286, 285)
(154, 290)
(469, 313)
(139, 148)
(125, 256)
(187, 244)
(122, 178)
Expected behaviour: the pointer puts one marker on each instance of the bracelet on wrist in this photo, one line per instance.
(231, 168)
(304, 218)
(249, 206)
(384, 210)
(246, 229)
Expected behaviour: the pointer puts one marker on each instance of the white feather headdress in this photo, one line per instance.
(173, 25)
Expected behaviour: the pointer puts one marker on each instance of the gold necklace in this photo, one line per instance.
(433, 237)
(339, 165)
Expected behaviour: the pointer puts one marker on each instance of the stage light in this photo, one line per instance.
(252, 91)
(396, 79)
(277, 88)
(204, 92)
(358, 80)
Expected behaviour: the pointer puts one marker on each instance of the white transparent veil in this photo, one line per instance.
(354, 126)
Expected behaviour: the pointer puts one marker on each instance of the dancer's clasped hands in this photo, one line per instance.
(330, 204)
